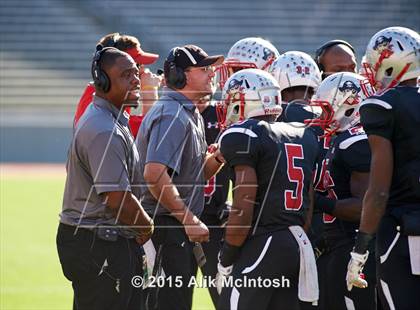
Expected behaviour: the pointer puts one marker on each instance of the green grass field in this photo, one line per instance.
(30, 272)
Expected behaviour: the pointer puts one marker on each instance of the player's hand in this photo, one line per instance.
(197, 231)
(354, 275)
(222, 274)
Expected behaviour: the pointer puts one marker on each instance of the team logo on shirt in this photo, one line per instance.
(212, 125)
(351, 91)
(383, 46)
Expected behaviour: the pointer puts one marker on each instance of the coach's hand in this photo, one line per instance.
(149, 80)
(146, 233)
(196, 230)
(354, 275)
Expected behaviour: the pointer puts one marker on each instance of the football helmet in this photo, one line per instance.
(392, 56)
(296, 68)
(249, 93)
(246, 54)
(339, 97)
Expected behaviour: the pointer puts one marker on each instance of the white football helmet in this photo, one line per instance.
(392, 56)
(249, 93)
(339, 96)
(245, 54)
(296, 68)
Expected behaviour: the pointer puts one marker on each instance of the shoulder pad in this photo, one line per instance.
(241, 130)
(377, 102)
(351, 140)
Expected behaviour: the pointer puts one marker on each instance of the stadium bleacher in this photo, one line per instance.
(46, 45)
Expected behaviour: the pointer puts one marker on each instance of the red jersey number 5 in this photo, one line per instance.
(293, 199)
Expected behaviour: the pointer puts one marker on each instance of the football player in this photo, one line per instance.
(346, 179)
(216, 207)
(299, 77)
(247, 53)
(391, 206)
(272, 162)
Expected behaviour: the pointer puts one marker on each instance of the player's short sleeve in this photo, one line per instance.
(239, 146)
(356, 154)
(107, 160)
(377, 117)
(167, 141)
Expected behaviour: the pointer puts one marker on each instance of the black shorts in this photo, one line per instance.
(265, 275)
(398, 288)
(333, 288)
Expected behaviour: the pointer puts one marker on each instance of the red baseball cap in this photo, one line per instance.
(141, 57)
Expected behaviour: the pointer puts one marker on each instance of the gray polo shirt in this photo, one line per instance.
(172, 133)
(102, 158)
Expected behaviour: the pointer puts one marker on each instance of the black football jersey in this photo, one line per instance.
(283, 157)
(395, 115)
(298, 113)
(217, 187)
(348, 153)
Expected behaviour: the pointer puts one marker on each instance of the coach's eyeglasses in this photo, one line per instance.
(205, 69)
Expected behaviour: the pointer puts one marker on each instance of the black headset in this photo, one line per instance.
(323, 48)
(176, 75)
(100, 78)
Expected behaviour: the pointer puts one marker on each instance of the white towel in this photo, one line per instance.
(150, 251)
(308, 289)
(414, 247)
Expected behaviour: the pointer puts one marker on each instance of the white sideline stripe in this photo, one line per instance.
(384, 257)
(267, 244)
(245, 131)
(234, 299)
(348, 142)
(387, 294)
(349, 303)
(382, 103)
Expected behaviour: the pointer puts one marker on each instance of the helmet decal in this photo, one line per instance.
(268, 54)
(352, 91)
(382, 44)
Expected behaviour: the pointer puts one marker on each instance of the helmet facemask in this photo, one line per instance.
(229, 67)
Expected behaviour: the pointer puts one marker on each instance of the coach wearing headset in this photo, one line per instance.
(102, 223)
(335, 56)
(174, 166)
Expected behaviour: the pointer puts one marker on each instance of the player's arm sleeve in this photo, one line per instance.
(377, 118)
(107, 159)
(167, 142)
(239, 146)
